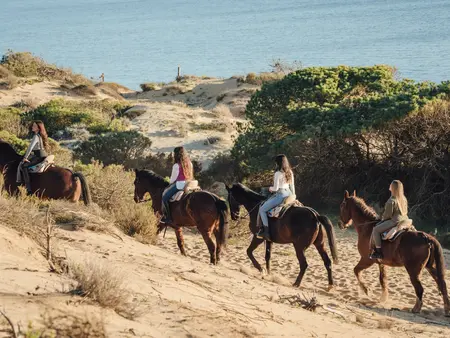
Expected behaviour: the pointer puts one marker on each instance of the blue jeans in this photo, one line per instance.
(172, 190)
(271, 203)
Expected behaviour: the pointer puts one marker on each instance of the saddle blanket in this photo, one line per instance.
(280, 210)
(401, 227)
(190, 186)
(42, 166)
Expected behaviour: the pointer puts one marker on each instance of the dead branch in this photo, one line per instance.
(13, 330)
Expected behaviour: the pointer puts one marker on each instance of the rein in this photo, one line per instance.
(249, 212)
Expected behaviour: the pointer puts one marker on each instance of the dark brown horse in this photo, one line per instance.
(54, 183)
(201, 209)
(414, 250)
(300, 226)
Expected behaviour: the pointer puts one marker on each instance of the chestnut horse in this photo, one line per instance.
(54, 183)
(300, 226)
(201, 209)
(414, 250)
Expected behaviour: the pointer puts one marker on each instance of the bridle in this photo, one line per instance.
(349, 223)
(230, 196)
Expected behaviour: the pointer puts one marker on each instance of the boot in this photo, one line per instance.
(26, 181)
(376, 254)
(166, 219)
(263, 233)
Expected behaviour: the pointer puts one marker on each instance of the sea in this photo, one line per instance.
(136, 41)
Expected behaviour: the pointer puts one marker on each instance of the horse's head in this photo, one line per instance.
(234, 204)
(345, 211)
(147, 181)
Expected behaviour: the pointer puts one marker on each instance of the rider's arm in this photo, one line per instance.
(388, 210)
(276, 182)
(174, 175)
(33, 143)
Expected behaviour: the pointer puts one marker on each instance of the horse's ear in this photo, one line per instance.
(227, 187)
(346, 194)
(354, 193)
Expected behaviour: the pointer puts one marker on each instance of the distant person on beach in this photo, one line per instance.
(102, 77)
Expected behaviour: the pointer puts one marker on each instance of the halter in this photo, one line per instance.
(230, 195)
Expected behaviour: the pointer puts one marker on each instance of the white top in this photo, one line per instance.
(173, 177)
(279, 182)
(35, 144)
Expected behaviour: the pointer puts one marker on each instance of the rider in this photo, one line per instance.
(283, 186)
(182, 171)
(395, 211)
(37, 150)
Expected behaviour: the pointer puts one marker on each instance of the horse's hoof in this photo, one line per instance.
(296, 285)
(384, 297)
(330, 287)
(417, 308)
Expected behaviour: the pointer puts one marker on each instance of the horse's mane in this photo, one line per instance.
(365, 210)
(5, 147)
(249, 192)
(156, 179)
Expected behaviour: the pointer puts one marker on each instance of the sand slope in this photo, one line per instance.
(186, 297)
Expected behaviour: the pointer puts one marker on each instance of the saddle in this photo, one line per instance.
(281, 209)
(189, 187)
(401, 227)
(42, 166)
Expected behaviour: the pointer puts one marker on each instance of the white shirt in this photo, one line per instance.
(279, 182)
(174, 175)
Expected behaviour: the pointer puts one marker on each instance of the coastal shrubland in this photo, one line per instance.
(352, 128)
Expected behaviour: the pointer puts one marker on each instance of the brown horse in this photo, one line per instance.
(300, 226)
(413, 250)
(54, 183)
(201, 209)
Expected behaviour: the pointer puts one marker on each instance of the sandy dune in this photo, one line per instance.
(186, 297)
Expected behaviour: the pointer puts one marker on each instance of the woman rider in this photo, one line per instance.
(182, 171)
(37, 150)
(395, 211)
(283, 186)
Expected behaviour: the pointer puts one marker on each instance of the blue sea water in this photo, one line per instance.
(133, 41)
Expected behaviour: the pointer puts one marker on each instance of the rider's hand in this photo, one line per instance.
(25, 160)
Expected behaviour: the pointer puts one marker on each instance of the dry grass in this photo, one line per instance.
(222, 110)
(174, 89)
(84, 90)
(103, 284)
(149, 86)
(7, 79)
(213, 126)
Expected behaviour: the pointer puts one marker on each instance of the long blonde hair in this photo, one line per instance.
(398, 192)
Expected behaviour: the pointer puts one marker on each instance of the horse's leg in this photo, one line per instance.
(218, 245)
(433, 272)
(384, 284)
(268, 254)
(253, 245)
(300, 250)
(180, 240)
(320, 246)
(363, 264)
(414, 274)
(211, 246)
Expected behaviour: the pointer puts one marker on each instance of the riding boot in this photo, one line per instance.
(166, 214)
(376, 254)
(263, 233)
(26, 180)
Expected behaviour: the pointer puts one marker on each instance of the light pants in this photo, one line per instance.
(271, 203)
(379, 229)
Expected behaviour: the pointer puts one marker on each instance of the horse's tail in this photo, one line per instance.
(84, 188)
(325, 221)
(437, 256)
(222, 208)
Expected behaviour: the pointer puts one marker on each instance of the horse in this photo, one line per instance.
(201, 209)
(300, 226)
(413, 250)
(54, 183)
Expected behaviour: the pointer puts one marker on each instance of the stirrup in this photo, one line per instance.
(376, 254)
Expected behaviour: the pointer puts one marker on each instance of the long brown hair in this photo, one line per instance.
(42, 133)
(284, 166)
(398, 193)
(182, 158)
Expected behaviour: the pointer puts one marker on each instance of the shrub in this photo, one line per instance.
(7, 79)
(216, 125)
(25, 64)
(223, 169)
(11, 121)
(150, 86)
(18, 144)
(222, 110)
(114, 148)
(84, 90)
(59, 114)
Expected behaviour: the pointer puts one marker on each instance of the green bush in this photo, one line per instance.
(59, 114)
(7, 79)
(11, 121)
(18, 144)
(114, 148)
